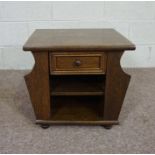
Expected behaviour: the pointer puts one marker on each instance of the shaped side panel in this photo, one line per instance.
(38, 86)
(116, 85)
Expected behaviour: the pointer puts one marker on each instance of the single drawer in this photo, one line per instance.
(77, 63)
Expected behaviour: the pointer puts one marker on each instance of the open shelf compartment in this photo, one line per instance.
(77, 108)
(77, 97)
(77, 85)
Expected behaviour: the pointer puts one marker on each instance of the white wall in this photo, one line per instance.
(135, 20)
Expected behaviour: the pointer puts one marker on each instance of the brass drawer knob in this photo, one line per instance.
(77, 63)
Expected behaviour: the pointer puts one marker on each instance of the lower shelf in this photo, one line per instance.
(77, 109)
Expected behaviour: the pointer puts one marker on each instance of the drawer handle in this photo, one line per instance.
(77, 63)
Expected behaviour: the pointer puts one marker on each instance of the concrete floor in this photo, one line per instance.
(135, 134)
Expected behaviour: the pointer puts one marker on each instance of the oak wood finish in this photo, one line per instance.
(116, 85)
(38, 85)
(77, 122)
(77, 77)
(77, 63)
(77, 39)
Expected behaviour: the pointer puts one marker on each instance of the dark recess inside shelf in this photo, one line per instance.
(81, 85)
(77, 108)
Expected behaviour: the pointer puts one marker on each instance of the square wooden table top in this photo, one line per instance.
(77, 39)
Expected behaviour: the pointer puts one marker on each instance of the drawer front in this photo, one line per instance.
(75, 63)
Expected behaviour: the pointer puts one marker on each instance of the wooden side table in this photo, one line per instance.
(77, 77)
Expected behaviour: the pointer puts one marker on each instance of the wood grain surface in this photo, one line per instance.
(89, 63)
(77, 77)
(79, 39)
(38, 86)
(116, 85)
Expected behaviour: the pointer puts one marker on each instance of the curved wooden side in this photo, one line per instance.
(38, 86)
(116, 85)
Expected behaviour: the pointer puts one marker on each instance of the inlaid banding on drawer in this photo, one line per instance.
(77, 63)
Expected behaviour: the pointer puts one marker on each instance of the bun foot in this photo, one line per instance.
(107, 126)
(45, 126)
